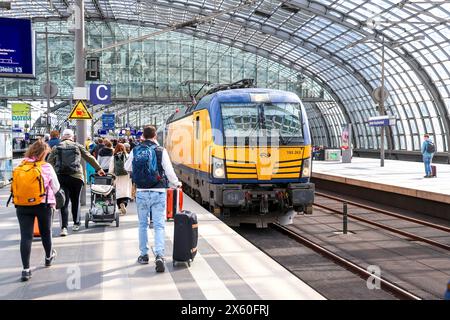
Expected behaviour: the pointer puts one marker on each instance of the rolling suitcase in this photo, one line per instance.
(433, 171)
(174, 202)
(185, 237)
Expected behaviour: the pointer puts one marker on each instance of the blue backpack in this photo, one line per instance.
(145, 172)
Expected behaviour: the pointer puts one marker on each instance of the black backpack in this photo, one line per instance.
(430, 147)
(119, 165)
(68, 159)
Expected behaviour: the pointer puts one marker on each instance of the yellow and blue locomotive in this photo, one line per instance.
(245, 154)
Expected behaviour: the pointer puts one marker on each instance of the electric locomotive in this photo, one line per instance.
(245, 154)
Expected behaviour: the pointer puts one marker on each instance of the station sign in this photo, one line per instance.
(17, 48)
(21, 112)
(80, 112)
(100, 93)
(381, 121)
(108, 121)
(102, 132)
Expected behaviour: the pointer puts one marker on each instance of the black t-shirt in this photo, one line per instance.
(105, 152)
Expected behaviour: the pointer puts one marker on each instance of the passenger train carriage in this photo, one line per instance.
(245, 154)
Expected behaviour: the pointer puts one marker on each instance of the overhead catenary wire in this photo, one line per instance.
(181, 25)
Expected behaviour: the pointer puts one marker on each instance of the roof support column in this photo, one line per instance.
(80, 75)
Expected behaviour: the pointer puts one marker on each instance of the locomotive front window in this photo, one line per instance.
(240, 120)
(281, 121)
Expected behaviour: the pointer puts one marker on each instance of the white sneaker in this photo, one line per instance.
(123, 209)
(76, 227)
(63, 232)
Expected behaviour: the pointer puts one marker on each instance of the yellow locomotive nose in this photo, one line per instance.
(265, 163)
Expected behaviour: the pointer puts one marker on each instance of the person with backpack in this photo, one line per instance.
(33, 189)
(428, 150)
(66, 159)
(151, 171)
(123, 182)
(105, 155)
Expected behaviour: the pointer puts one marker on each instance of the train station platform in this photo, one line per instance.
(401, 178)
(100, 263)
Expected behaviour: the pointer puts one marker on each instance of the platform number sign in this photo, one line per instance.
(100, 93)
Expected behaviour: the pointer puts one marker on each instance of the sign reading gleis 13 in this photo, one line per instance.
(16, 48)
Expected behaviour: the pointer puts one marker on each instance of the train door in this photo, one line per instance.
(197, 153)
(197, 141)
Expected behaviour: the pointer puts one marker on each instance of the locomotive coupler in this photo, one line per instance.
(264, 204)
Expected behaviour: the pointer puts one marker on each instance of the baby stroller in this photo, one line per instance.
(103, 201)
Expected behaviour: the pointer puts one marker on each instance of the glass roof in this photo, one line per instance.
(315, 38)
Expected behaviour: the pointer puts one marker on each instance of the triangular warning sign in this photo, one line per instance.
(80, 112)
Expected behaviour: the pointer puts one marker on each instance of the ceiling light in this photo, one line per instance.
(262, 14)
(290, 8)
(5, 5)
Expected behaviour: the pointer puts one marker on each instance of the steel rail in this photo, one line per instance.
(388, 213)
(392, 229)
(363, 273)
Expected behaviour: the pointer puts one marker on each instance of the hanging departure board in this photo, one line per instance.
(16, 48)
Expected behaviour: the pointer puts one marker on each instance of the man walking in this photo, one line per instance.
(151, 171)
(428, 150)
(66, 159)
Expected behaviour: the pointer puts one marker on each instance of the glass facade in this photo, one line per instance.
(335, 45)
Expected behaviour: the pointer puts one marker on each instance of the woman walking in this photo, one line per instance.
(105, 155)
(27, 187)
(123, 181)
(66, 159)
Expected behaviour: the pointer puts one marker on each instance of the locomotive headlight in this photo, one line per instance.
(306, 171)
(218, 168)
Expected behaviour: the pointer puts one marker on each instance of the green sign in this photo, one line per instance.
(21, 112)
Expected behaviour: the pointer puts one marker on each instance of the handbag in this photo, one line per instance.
(60, 198)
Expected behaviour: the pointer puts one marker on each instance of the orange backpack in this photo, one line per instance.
(27, 186)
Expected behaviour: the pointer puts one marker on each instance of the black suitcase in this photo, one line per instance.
(185, 237)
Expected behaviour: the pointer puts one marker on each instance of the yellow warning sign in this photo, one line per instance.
(80, 112)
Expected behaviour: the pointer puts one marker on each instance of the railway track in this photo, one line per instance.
(409, 235)
(386, 285)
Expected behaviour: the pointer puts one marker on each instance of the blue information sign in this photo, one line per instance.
(16, 48)
(102, 132)
(378, 122)
(108, 120)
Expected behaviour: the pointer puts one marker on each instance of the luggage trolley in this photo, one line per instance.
(103, 201)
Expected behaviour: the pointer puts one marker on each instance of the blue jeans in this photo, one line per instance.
(151, 203)
(427, 162)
